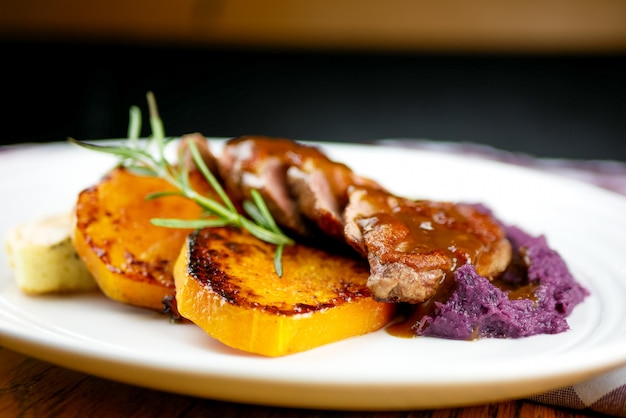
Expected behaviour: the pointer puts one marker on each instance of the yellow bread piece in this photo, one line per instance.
(43, 257)
(131, 259)
(227, 285)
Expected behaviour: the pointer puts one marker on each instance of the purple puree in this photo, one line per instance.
(479, 309)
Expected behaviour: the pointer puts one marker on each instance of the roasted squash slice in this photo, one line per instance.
(226, 284)
(131, 259)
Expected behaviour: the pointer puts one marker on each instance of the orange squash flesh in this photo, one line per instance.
(226, 284)
(132, 260)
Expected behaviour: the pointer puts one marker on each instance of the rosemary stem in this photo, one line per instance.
(212, 206)
(154, 162)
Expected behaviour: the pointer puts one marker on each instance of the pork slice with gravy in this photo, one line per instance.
(412, 245)
(305, 191)
(251, 162)
(320, 187)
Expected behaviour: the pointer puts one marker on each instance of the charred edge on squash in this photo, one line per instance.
(138, 270)
(208, 273)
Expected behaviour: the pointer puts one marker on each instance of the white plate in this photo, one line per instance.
(377, 371)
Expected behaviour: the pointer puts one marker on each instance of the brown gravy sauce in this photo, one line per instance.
(427, 234)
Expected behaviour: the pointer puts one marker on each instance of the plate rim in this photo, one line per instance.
(23, 344)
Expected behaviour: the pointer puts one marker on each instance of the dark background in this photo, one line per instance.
(550, 105)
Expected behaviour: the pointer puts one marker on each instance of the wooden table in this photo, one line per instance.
(37, 389)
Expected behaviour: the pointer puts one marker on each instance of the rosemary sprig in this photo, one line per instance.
(150, 160)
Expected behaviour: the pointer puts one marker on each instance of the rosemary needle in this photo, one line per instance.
(150, 160)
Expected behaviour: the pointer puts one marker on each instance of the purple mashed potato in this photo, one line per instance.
(479, 309)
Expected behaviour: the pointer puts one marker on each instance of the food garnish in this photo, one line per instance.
(151, 160)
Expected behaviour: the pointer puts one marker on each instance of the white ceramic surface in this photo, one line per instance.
(377, 371)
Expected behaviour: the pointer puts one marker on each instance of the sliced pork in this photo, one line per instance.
(261, 163)
(304, 189)
(412, 245)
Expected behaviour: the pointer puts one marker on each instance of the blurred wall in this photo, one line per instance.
(435, 25)
(547, 78)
